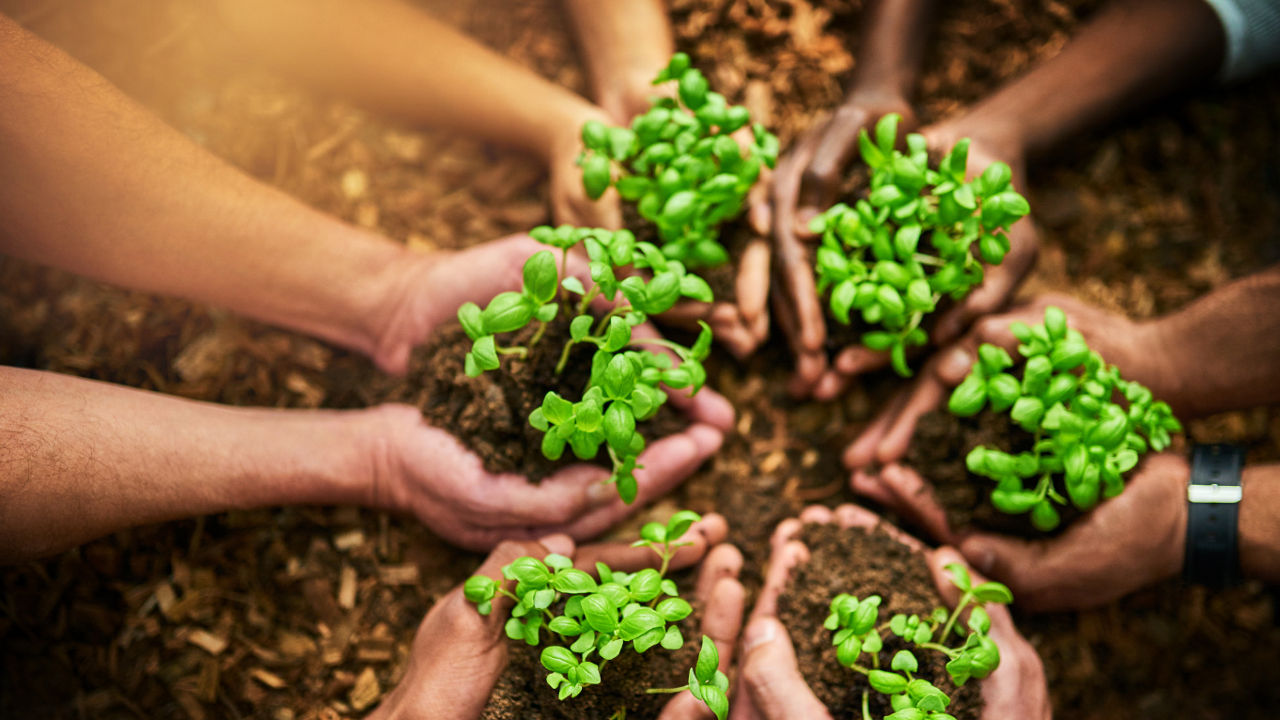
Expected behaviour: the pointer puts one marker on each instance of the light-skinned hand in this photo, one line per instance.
(770, 686)
(459, 654)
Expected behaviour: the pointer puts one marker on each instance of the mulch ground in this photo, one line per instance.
(309, 612)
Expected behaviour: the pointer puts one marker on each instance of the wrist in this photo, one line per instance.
(1159, 364)
(989, 140)
(1260, 523)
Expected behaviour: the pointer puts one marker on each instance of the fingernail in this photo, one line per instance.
(985, 560)
(601, 493)
(706, 438)
(758, 633)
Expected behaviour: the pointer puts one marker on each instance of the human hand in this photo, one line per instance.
(770, 684)
(1134, 347)
(999, 281)
(805, 184)
(1132, 540)
(743, 325)
(569, 201)
(453, 679)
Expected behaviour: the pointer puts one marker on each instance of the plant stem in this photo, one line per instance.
(592, 294)
(537, 335)
(666, 691)
(564, 356)
(955, 615)
(866, 709)
(940, 648)
(604, 321)
(520, 352)
(678, 349)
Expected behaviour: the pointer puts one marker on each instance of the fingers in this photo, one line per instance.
(851, 516)
(703, 534)
(752, 285)
(724, 561)
(770, 686)
(781, 562)
(914, 498)
(809, 364)
(861, 453)
(1021, 564)
(871, 486)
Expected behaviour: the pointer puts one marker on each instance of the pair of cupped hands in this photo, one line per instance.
(458, 654)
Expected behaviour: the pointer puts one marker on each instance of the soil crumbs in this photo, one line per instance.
(862, 563)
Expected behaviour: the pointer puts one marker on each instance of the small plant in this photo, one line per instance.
(858, 632)
(917, 237)
(680, 166)
(623, 388)
(585, 623)
(1066, 398)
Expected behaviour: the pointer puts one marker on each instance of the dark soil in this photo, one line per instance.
(862, 563)
(937, 452)
(490, 413)
(522, 692)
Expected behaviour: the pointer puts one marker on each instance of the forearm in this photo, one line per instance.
(1132, 52)
(1260, 523)
(93, 184)
(396, 59)
(79, 459)
(892, 48)
(624, 44)
(1219, 353)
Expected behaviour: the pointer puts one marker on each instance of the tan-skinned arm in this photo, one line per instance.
(93, 184)
(79, 459)
(624, 43)
(395, 59)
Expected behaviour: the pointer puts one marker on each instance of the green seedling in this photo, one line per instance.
(624, 386)
(918, 236)
(583, 622)
(859, 639)
(680, 166)
(1067, 398)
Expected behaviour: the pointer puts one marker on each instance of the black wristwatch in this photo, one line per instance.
(1213, 504)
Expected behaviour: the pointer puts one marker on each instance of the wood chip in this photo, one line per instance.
(349, 539)
(366, 691)
(166, 598)
(268, 678)
(206, 640)
(399, 574)
(347, 588)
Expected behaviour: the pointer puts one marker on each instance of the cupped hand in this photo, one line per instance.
(999, 281)
(805, 184)
(1131, 346)
(1132, 540)
(458, 654)
(427, 472)
(770, 684)
(570, 203)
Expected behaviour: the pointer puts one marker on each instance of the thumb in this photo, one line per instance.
(1020, 565)
(771, 678)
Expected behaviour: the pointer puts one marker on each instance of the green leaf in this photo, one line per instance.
(979, 621)
(601, 614)
(672, 639)
(904, 661)
(692, 286)
(1044, 516)
(611, 649)
(1003, 389)
(507, 311)
(968, 397)
(594, 135)
(679, 208)
(673, 609)
(619, 425)
(596, 176)
(708, 661)
(959, 576)
(716, 701)
(618, 335)
(993, 358)
(645, 585)
(887, 682)
(848, 650)
(627, 487)
(680, 522)
(993, 592)
(1027, 412)
(693, 89)
(589, 673)
(469, 318)
(639, 622)
(558, 659)
(565, 626)
(573, 581)
(540, 276)
(479, 588)
(580, 327)
(619, 377)
(620, 141)
(530, 571)
(887, 132)
(556, 409)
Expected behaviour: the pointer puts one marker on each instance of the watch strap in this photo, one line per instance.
(1213, 503)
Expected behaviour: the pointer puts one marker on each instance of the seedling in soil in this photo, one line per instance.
(859, 634)
(680, 166)
(623, 388)
(583, 623)
(917, 237)
(1085, 438)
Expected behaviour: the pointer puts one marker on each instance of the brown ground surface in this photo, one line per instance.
(1140, 218)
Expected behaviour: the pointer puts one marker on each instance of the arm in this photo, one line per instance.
(624, 43)
(394, 58)
(1220, 351)
(93, 184)
(80, 459)
(1132, 52)
(809, 176)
